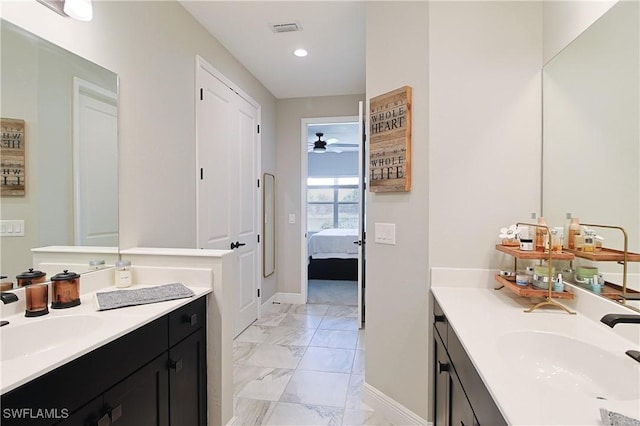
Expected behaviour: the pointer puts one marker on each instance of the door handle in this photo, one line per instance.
(442, 367)
(359, 242)
(237, 244)
(175, 365)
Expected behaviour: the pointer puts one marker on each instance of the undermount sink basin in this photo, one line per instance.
(571, 365)
(43, 334)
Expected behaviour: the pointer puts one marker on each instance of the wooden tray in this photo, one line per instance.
(606, 255)
(612, 291)
(533, 255)
(531, 291)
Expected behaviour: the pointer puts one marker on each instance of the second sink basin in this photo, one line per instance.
(571, 365)
(43, 334)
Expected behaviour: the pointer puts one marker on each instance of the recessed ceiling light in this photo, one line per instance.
(300, 53)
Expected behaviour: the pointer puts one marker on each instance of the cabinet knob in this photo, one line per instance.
(116, 413)
(442, 367)
(190, 319)
(104, 420)
(175, 365)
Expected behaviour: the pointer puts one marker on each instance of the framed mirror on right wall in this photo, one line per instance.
(591, 137)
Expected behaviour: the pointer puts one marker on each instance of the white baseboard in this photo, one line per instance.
(293, 298)
(273, 299)
(394, 412)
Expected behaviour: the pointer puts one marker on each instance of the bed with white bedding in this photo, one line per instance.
(333, 255)
(334, 244)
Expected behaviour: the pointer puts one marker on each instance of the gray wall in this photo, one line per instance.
(475, 72)
(152, 46)
(289, 177)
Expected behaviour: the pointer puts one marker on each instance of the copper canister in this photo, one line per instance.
(4, 284)
(65, 290)
(31, 277)
(37, 299)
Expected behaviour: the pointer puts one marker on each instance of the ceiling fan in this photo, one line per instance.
(319, 146)
(329, 145)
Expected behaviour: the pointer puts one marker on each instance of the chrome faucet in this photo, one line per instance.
(612, 319)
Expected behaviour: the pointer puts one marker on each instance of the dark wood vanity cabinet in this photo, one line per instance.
(460, 398)
(155, 375)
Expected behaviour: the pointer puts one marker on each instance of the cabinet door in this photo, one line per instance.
(188, 381)
(460, 409)
(142, 398)
(92, 414)
(441, 385)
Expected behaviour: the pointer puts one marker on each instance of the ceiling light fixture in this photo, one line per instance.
(82, 10)
(300, 53)
(319, 146)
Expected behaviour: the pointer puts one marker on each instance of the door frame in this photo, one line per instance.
(201, 63)
(304, 168)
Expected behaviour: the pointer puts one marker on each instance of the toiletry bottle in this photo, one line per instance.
(556, 240)
(589, 244)
(123, 273)
(541, 234)
(574, 229)
(579, 240)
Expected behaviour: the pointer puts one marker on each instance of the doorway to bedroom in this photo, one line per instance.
(334, 210)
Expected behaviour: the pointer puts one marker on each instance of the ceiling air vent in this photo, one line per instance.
(286, 27)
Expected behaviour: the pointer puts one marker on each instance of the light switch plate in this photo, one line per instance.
(292, 218)
(385, 233)
(12, 228)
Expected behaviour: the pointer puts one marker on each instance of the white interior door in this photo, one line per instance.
(362, 164)
(228, 193)
(95, 150)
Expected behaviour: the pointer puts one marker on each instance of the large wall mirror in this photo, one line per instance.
(70, 108)
(591, 134)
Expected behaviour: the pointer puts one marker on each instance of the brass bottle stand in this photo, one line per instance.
(548, 298)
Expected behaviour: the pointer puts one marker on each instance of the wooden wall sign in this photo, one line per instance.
(12, 157)
(390, 141)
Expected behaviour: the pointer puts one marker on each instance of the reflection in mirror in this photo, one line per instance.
(268, 220)
(69, 107)
(591, 134)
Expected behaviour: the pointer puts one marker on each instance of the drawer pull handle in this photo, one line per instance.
(176, 365)
(439, 318)
(116, 413)
(442, 367)
(104, 420)
(190, 319)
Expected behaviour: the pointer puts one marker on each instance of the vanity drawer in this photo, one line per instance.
(440, 321)
(186, 320)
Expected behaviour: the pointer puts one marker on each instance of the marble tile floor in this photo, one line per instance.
(302, 365)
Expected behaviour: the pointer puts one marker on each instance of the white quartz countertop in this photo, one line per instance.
(482, 317)
(107, 327)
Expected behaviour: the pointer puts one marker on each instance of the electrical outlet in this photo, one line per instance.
(292, 218)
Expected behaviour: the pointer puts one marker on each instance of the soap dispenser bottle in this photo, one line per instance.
(541, 235)
(574, 230)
